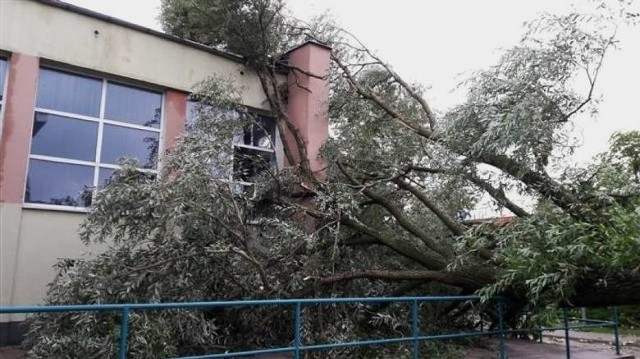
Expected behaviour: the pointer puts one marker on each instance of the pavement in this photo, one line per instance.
(584, 345)
(11, 353)
(526, 349)
(590, 337)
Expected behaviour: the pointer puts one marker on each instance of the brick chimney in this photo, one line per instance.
(308, 102)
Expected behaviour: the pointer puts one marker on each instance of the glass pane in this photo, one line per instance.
(119, 142)
(133, 105)
(264, 132)
(260, 133)
(69, 93)
(104, 176)
(3, 73)
(192, 114)
(64, 137)
(197, 110)
(59, 183)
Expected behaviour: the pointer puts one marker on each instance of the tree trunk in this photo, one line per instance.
(597, 289)
(594, 289)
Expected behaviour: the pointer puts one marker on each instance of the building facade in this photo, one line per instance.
(78, 91)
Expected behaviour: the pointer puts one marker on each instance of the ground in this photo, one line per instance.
(583, 346)
(525, 349)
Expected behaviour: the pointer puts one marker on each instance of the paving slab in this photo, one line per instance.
(521, 349)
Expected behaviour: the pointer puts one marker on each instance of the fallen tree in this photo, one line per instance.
(387, 215)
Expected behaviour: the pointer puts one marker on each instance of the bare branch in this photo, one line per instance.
(592, 80)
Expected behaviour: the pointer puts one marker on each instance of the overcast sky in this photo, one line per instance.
(437, 42)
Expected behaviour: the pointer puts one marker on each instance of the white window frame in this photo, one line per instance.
(235, 144)
(240, 185)
(101, 121)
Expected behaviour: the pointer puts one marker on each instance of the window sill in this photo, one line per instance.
(52, 207)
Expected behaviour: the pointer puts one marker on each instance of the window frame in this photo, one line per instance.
(273, 151)
(3, 91)
(101, 121)
(241, 185)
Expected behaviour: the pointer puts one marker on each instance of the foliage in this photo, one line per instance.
(388, 216)
(258, 30)
(549, 251)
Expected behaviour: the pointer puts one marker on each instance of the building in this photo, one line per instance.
(80, 90)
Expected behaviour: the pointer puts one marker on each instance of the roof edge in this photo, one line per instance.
(309, 42)
(99, 16)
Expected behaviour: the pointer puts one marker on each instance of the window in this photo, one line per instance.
(253, 149)
(3, 80)
(81, 128)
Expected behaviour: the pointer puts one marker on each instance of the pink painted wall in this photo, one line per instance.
(308, 100)
(17, 126)
(175, 114)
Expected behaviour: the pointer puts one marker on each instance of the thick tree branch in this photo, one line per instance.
(270, 88)
(498, 195)
(542, 184)
(462, 280)
(455, 227)
(429, 259)
(431, 118)
(353, 82)
(422, 275)
(397, 213)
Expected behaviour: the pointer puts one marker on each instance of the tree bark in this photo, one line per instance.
(597, 289)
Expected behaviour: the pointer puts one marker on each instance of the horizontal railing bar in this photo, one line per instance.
(245, 353)
(356, 344)
(344, 345)
(457, 335)
(393, 340)
(219, 304)
(549, 329)
(592, 320)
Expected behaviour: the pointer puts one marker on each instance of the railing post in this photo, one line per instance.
(501, 326)
(296, 341)
(414, 327)
(540, 333)
(565, 317)
(124, 333)
(616, 329)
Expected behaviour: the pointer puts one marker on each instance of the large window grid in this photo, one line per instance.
(115, 135)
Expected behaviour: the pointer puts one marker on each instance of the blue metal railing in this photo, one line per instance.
(298, 304)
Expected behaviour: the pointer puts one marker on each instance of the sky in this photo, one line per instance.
(437, 43)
